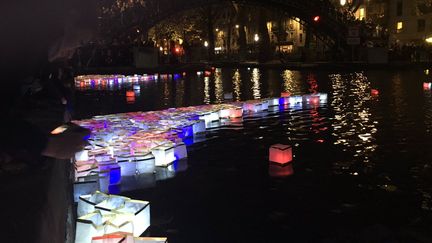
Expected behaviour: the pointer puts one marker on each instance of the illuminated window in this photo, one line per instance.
(362, 13)
(399, 26)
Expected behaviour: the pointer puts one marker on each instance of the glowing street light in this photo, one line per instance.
(429, 40)
(256, 38)
(237, 26)
(342, 2)
(205, 43)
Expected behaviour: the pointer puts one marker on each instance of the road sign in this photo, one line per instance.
(352, 41)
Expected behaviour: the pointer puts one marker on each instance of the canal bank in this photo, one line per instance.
(186, 67)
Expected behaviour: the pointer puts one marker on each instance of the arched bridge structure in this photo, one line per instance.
(331, 26)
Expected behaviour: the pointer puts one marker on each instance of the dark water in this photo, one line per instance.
(362, 166)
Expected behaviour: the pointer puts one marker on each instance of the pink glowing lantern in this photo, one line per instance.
(236, 113)
(130, 94)
(285, 94)
(427, 86)
(280, 153)
(374, 92)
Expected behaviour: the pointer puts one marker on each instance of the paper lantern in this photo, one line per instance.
(280, 153)
(138, 212)
(236, 113)
(127, 168)
(86, 185)
(374, 92)
(87, 202)
(323, 97)
(252, 107)
(130, 94)
(278, 170)
(273, 102)
(164, 155)
(89, 226)
(82, 155)
(285, 94)
(295, 100)
(145, 164)
(427, 86)
(110, 175)
(199, 127)
(225, 113)
(264, 105)
(180, 151)
(113, 214)
(311, 99)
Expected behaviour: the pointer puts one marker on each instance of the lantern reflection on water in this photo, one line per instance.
(280, 153)
(278, 170)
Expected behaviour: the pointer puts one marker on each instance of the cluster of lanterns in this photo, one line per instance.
(89, 81)
(135, 143)
(129, 144)
(101, 217)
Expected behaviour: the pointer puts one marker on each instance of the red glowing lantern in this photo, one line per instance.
(427, 86)
(316, 18)
(285, 94)
(280, 153)
(374, 92)
(130, 94)
(130, 100)
(207, 73)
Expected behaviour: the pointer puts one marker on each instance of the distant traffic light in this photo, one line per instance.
(316, 18)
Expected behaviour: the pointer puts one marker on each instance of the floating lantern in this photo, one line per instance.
(199, 127)
(88, 202)
(264, 105)
(145, 164)
(89, 226)
(180, 151)
(280, 153)
(252, 107)
(82, 155)
(236, 113)
(127, 168)
(278, 170)
(111, 172)
(374, 92)
(285, 94)
(86, 185)
(130, 94)
(323, 97)
(427, 86)
(164, 155)
(273, 102)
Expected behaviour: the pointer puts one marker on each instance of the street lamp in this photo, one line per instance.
(429, 40)
(205, 43)
(342, 2)
(256, 38)
(237, 26)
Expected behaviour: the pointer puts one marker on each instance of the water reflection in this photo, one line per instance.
(219, 93)
(290, 84)
(237, 85)
(353, 126)
(206, 90)
(256, 90)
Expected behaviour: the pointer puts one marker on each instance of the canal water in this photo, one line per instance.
(362, 170)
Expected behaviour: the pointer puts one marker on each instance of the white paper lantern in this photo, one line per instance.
(82, 155)
(199, 127)
(273, 102)
(164, 155)
(86, 185)
(225, 113)
(88, 202)
(145, 164)
(89, 226)
(138, 212)
(128, 168)
(264, 105)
